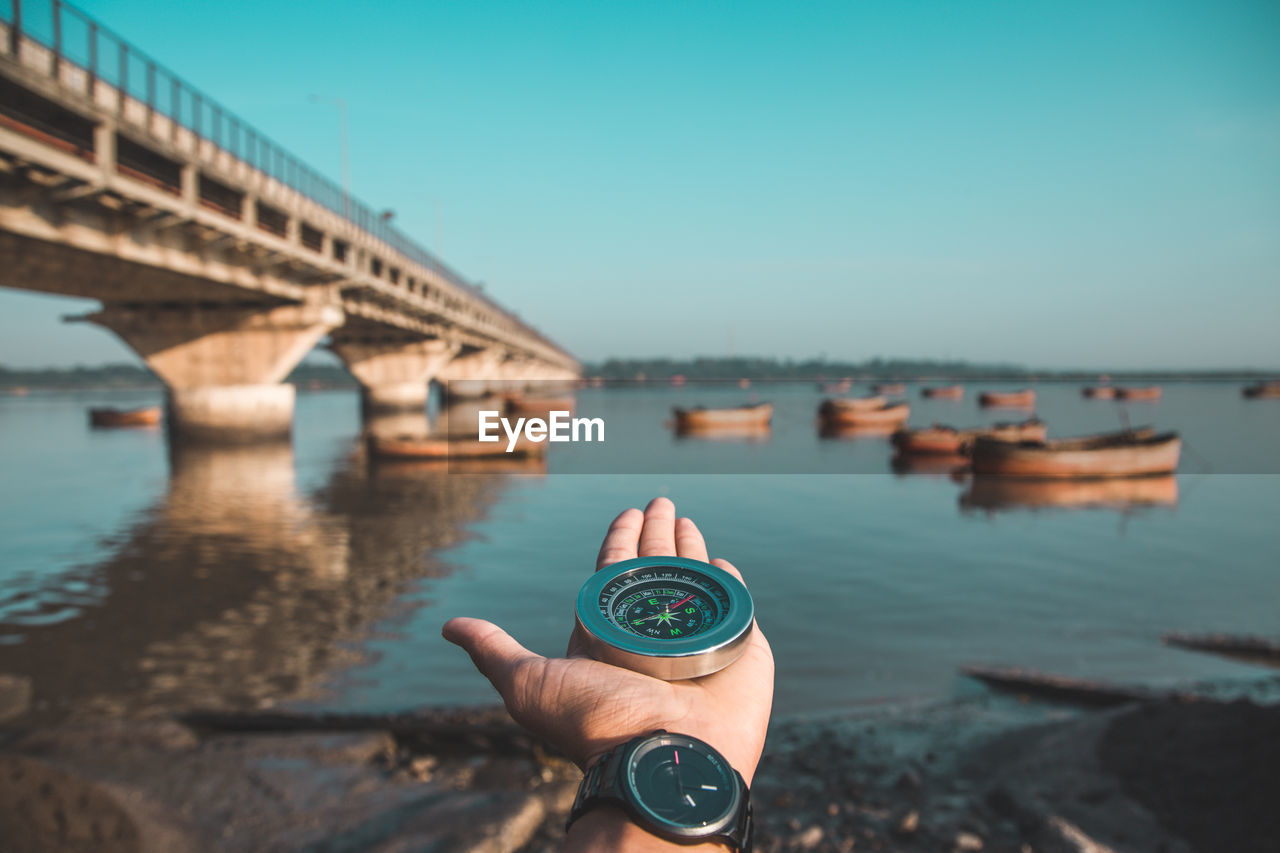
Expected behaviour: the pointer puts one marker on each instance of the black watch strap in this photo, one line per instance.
(599, 787)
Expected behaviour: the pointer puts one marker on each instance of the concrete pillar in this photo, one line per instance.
(224, 366)
(473, 372)
(394, 375)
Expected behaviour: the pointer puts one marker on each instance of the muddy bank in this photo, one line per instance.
(1156, 776)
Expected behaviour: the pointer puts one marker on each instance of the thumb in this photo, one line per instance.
(494, 652)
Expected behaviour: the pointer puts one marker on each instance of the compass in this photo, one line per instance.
(668, 617)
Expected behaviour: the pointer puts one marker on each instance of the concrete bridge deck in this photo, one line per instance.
(219, 257)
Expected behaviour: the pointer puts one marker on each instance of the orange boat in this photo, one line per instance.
(1152, 393)
(948, 392)
(995, 493)
(1099, 392)
(889, 388)
(1132, 453)
(425, 447)
(837, 413)
(755, 416)
(946, 440)
(1263, 391)
(936, 464)
(1024, 399)
(537, 407)
(105, 417)
(856, 403)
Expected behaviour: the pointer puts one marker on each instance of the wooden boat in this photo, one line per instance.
(537, 407)
(889, 388)
(678, 380)
(757, 415)
(1098, 392)
(1131, 453)
(428, 447)
(1154, 392)
(1024, 399)
(997, 493)
(946, 392)
(108, 417)
(1263, 391)
(857, 403)
(837, 413)
(935, 464)
(841, 387)
(939, 439)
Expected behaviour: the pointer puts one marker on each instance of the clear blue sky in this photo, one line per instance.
(1056, 184)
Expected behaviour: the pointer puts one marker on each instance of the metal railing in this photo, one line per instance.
(73, 36)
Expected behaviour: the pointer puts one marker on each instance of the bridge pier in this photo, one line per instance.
(223, 365)
(394, 375)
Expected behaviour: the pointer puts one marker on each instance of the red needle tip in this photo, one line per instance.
(677, 752)
(678, 603)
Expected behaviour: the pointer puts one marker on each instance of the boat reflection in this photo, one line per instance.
(994, 494)
(236, 591)
(827, 430)
(930, 464)
(745, 433)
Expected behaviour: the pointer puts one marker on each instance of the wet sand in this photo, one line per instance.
(1155, 776)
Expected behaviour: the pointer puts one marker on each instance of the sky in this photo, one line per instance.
(1052, 184)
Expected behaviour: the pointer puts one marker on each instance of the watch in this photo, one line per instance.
(674, 786)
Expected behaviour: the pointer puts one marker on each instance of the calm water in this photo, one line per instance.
(135, 578)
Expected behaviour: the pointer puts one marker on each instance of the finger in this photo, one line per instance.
(689, 541)
(658, 538)
(728, 567)
(621, 540)
(492, 650)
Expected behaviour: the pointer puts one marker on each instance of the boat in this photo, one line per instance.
(944, 392)
(1130, 453)
(841, 387)
(939, 439)
(537, 407)
(757, 416)
(108, 417)
(889, 388)
(857, 403)
(1098, 392)
(441, 448)
(1153, 392)
(678, 380)
(1024, 399)
(839, 413)
(1263, 391)
(1002, 493)
(935, 464)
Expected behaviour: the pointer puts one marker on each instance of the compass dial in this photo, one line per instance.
(669, 617)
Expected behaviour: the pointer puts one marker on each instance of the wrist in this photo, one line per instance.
(608, 828)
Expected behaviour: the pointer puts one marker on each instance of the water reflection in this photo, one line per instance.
(233, 590)
(994, 494)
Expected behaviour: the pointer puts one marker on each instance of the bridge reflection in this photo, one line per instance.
(234, 590)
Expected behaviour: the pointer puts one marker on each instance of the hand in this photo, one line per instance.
(586, 708)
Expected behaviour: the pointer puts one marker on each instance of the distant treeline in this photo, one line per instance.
(137, 376)
(756, 368)
(659, 369)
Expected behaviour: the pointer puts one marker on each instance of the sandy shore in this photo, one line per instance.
(975, 775)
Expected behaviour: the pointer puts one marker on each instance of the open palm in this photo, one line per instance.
(586, 707)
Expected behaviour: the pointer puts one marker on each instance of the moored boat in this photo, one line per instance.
(945, 392)
(939, 439)
(1131, 453)
(1024, 399)
(108, 417)
(1153, 392)
(889, 388)
(841, 387)
(437, 447)
(838, 413)
(1098, 392)
(1263, 391)
(757, 415)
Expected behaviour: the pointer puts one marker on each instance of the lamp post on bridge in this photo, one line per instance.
(345, 143)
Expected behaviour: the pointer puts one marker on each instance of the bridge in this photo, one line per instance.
(217, 256)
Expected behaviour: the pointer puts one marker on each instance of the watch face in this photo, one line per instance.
(683, 784)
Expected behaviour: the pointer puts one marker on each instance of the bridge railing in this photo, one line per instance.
(73, 36)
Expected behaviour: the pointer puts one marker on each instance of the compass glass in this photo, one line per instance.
(664, 602)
